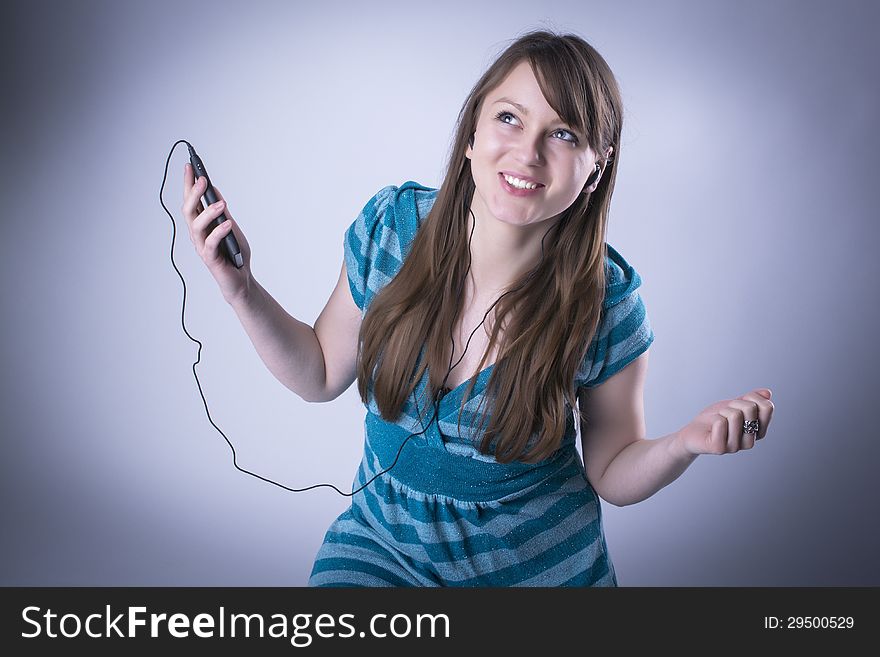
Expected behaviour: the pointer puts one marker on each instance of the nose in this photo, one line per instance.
(528, 150)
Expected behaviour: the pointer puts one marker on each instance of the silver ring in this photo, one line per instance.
(751, 426)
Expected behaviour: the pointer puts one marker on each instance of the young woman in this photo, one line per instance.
(485, 322)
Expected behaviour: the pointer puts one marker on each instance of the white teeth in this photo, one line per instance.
(519, 184)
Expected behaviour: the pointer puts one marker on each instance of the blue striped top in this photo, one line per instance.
(445, 514)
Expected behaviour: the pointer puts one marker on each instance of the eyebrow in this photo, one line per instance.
(516, 105)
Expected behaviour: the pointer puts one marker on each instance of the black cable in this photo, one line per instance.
(199, 354)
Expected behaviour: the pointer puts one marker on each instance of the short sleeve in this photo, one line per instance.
(624, 332)
(363, 246)
(380, 238)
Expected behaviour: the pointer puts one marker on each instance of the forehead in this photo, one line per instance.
(521, 87)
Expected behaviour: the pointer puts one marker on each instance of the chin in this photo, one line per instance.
(515, 218)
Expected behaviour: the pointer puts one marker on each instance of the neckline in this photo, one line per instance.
(481, 376)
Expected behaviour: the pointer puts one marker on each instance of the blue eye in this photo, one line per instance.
(504, 113)
(573, 139)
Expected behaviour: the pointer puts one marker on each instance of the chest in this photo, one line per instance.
(470, 348)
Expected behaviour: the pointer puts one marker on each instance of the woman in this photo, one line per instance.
(494, 298)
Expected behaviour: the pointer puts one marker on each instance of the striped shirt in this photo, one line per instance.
(445, 514)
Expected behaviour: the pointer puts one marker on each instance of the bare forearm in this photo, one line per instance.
(288, 347)
(642, 468)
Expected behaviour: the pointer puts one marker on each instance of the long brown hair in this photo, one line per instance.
(549, 315)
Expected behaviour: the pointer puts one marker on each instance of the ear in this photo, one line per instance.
(592, 187)
(469, 150)
(589, 189)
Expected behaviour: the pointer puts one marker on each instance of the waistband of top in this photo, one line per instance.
(433, 470)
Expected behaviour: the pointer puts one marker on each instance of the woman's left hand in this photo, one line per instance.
(718, 429)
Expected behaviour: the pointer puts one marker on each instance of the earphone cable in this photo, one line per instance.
(199, 356)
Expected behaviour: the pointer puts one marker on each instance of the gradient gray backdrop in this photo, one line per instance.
(746, 199)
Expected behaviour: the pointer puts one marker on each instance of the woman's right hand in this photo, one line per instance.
(234, 282)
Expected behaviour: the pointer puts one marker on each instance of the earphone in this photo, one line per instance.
(437, 397)
(593, 176)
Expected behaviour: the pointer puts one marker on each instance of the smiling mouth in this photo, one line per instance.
(518, 191)
(520, 183)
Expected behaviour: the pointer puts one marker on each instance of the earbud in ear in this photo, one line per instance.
(593, 176)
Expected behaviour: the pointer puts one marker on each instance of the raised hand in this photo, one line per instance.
(233, 282)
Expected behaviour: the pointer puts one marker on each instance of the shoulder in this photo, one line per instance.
(624, 331)
(411, 202)
(400, 208)
(391, 210)
(379, 239)
(621, 278)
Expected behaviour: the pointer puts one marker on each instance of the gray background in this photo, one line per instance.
(745, 199)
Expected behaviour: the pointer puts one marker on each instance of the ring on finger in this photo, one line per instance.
(752, 426)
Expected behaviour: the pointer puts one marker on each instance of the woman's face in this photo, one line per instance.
(531, 143)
